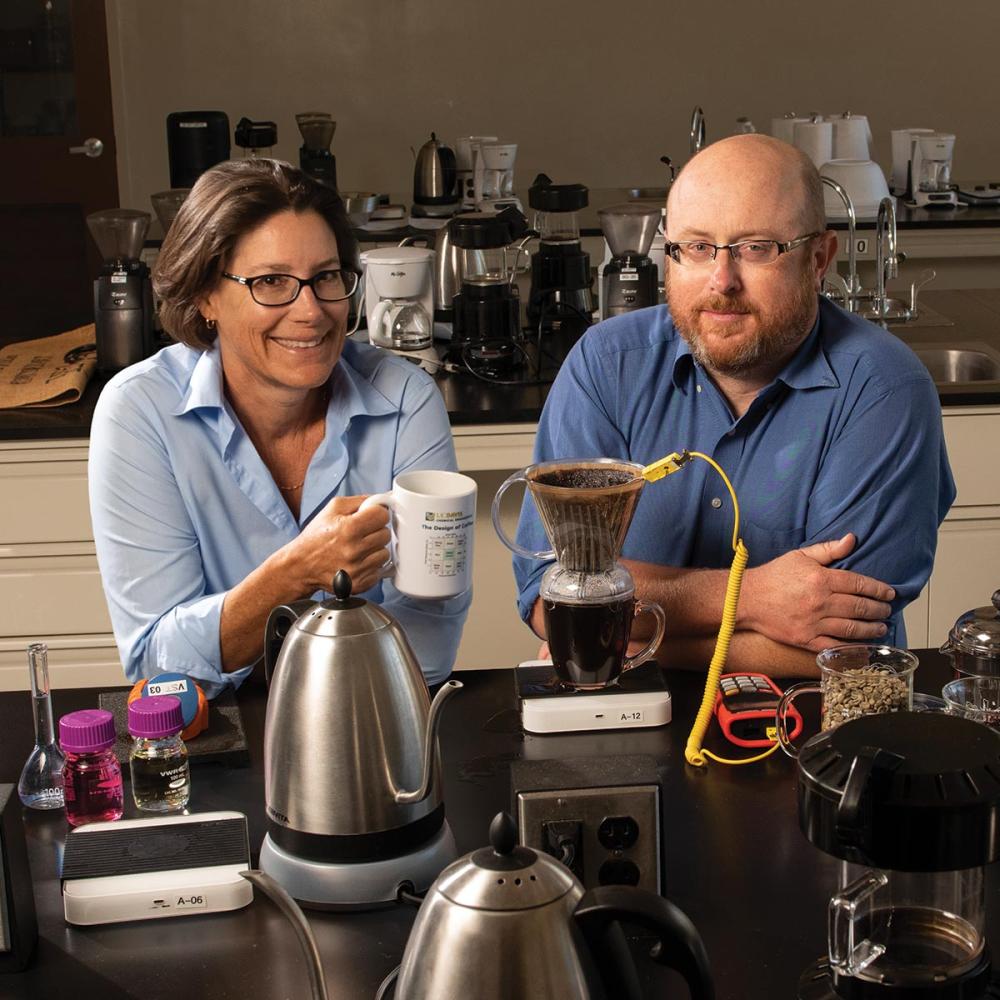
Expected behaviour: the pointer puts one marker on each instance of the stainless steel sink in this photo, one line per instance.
(949, 365)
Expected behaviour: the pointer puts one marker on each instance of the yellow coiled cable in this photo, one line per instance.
(694, 753)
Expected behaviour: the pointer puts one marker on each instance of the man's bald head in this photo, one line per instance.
(755, 167)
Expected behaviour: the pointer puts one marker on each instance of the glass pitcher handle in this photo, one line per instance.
(848, 954)
(649, 650)
(781, 713)
(517, 477)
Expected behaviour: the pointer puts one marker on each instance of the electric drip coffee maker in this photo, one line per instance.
(931, 166)
(909, 802)
(560, 298)
(629, 280)
(589, 601)
(487, 310)
(315, 158)
(123, 295)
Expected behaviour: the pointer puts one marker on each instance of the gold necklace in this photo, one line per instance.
(298, 486)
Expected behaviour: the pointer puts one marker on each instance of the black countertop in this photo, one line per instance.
(734, 860)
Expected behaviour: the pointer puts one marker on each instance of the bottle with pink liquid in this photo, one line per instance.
(92, 776)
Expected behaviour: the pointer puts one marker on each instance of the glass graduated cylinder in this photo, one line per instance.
(41, 782)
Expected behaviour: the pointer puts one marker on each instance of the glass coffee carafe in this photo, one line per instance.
(910, 803)
(588, 597)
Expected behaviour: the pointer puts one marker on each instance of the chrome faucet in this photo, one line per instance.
(853, 282)
(697, 130)
(886, 257)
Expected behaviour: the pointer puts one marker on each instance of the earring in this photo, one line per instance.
(210, 323)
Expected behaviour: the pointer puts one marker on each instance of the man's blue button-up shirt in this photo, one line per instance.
(847, 438)
(184, 508)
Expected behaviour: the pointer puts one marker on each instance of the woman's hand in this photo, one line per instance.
(339, 537)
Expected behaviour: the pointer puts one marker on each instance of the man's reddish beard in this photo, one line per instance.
(780, 328)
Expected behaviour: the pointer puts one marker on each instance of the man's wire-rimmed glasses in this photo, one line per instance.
(700, 252)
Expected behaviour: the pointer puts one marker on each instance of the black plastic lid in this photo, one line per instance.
(486, 230)
(255, 135)
(544, 196)
(909, 791)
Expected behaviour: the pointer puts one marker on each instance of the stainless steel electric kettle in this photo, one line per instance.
(435, 176)
(506, 922)
(351, 770)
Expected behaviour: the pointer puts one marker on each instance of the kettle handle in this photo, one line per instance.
(279, 621)
(680, 946)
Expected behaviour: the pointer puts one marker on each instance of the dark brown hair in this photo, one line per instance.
(225, 204)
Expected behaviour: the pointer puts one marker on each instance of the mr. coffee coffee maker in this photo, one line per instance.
(560, 298)
(910, 804)
(123, 294)
(315, 158)
(629, 280)
(486, 310)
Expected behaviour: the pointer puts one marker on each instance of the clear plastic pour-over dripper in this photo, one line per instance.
(41, 784)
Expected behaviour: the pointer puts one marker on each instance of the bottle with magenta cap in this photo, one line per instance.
(161, 778)
(92, 776)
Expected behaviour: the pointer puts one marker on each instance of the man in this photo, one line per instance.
(828, 426)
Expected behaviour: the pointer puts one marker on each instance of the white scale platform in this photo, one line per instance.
(640, 700)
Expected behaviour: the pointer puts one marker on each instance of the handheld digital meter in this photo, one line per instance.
(745, 707)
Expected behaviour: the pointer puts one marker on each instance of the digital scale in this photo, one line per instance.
(640, 700)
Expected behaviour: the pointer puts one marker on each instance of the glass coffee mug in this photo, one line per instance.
(854, 680)
(433, 515)
(976, 698)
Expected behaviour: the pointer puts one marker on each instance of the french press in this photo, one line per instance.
(910, 803)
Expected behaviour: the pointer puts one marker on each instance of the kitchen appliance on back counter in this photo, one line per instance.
(166, 205)
(351, 769)
(497, 190)
(921, 167)
(315, 158)
(629, 280)
(909, 802)
(588, 598)
(469, 167)
(399, 301)
(435, 187)
(560, 299)
(196, 140)
(123, 294)
(256, 139)
(486, 311)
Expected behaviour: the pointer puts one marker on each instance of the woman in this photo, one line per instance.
(226, 472)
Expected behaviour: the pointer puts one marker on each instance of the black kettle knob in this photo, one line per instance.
(503, 834)
(342, 585)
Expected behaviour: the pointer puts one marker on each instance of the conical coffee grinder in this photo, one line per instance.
(629, 279)
(487, 309)
(123, 295)
(910, 804)
(560, 298)
(589, 601)
(315, 158)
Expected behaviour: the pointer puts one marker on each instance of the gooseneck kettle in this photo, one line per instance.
(506, 921)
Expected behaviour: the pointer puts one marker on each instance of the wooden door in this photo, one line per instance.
(55, 94)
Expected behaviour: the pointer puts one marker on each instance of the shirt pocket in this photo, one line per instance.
(766, 542)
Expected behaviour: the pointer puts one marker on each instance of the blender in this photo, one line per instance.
(931, 165)
(486, 311)
(589, 601)
(909, 802)
(629, 279)
(560, 298)
(315, 158)
(123, 294)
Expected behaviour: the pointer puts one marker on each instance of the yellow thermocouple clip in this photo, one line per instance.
(664, 466)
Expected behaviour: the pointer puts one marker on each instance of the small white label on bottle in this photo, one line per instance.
(167, 687)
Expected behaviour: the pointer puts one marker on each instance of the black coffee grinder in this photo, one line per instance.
(315, 158)
(629, 280)
(486, 311)
(123, 295)
(910, 804)
(560, 298)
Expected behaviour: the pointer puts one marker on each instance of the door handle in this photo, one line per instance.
(90, 147)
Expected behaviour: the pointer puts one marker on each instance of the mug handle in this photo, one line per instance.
(847, 952)
(781, 714)
(517, 477)
(649, 650)
(388, 568)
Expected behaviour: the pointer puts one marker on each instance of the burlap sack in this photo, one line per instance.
(51, 371)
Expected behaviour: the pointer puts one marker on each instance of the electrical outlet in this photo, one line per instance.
(613, 833)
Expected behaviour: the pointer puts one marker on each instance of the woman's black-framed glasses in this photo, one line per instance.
(283, 289)
(699, 252)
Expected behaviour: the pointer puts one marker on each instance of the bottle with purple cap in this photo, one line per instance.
(161, 778)
(92, 776)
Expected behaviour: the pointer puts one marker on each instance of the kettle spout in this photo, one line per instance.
(430, 745)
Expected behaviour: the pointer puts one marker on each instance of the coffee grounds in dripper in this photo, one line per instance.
(584, 478)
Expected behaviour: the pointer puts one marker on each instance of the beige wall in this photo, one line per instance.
(592, 90)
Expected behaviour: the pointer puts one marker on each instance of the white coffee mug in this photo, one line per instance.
(433, 523)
